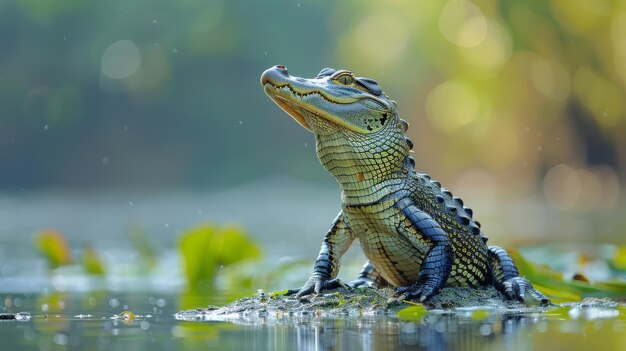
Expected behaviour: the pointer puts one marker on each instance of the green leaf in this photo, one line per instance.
(618, 261)
(231, 245)
(53, 246)
(208, 247)
(479, 315)
(91, 261)
(274, 294)
(413, 313)
(552, 284)
(200, 265)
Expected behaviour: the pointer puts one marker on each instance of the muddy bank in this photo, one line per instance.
(351, 303)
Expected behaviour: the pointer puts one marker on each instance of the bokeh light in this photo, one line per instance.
(120, 59)
(157, 94)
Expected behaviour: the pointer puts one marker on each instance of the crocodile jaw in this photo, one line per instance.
(286, 105)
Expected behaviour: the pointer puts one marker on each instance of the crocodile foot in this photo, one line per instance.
(519, 289)
(316, 285)
(418, 291)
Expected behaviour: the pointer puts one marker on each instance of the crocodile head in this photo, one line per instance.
(358, 132)
(332, 101)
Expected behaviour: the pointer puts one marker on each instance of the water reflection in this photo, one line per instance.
(437, 331)
(96, 322)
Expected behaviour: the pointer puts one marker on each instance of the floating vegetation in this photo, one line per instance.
(554, 284)
(413, 313)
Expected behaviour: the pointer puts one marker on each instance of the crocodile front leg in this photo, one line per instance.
(507, 280)
(368, 277)
(336, 243)
(437, 263)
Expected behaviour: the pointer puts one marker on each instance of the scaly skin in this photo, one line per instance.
(416, 235)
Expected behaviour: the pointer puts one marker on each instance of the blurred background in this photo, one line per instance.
(118, 114)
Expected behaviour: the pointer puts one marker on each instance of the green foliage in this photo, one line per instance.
(619, 259)
(274, 294)
(206, 248)
(54, 248)
(413, 313)
(139, 240)
(553, 284)
(91, 261)
(481, 314)
(342, 299)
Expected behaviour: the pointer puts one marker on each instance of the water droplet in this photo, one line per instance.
(114, 302)
(167, 225)
(154, 21)
(125, 128)
(306, 144)
(175, 50)
(539, 148)
(240, 122)
(60, 339)
(527, 129)
(131, 203)
(105, 160)
(266, 53)
(46, 127)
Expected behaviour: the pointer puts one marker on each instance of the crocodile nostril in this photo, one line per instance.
(282, 69)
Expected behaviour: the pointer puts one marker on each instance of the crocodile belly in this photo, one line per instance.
(397, 260)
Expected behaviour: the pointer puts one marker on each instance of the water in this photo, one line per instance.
(72, 311)
(92, 321)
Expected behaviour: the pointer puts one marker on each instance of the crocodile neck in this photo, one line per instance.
(366, 168)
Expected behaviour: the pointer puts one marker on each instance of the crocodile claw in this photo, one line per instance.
(520, 289)
(361, 283)
(317, 285)
(418, 291)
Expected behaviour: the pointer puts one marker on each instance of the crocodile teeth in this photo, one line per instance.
(469, 211)
(440, 199)
(451, 209)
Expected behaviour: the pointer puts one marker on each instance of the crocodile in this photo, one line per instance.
(416, 235)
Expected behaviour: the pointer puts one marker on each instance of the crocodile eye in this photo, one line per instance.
(345, 79)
